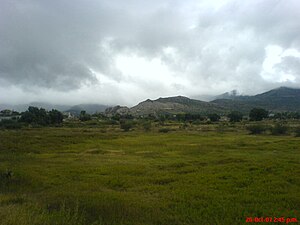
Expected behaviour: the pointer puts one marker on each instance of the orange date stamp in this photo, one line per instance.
(271, 220)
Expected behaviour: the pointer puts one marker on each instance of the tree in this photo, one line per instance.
(214, 117)
(235, 116)
(84, 116)
(258, 114)
(41, 117)
(55, 117)
(35, 115)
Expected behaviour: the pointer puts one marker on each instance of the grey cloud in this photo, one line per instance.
(57, 44)
(229, 43)
(290, 65)
(52, 45)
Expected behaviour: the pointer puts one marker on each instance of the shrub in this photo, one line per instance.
(197, 122)
(279, 129)
(5, 177)
(147, 126)
(221, 128)
(297, 132)
(164, 130)
(184, 125)
(111, 122)
(235, 116)
(256, 129)
(10, 124)
(126, 125)
(214, 117)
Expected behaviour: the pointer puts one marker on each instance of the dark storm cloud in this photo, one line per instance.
(54, 43)
(48, 44)
(211, 46)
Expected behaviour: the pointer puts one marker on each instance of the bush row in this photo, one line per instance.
(277, 129)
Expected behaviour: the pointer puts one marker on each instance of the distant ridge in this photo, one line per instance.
(89, 108)
(228, 95)
(276, 100)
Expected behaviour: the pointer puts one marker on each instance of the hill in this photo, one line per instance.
(276, 100)
(228, 95)
(175, 105)
(89, 108)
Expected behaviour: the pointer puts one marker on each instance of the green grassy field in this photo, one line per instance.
(105, 176)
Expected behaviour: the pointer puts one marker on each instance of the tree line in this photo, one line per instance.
(40, 117)
(34, 116)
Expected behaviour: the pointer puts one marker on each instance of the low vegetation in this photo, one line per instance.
(297, 131)
(235, 116)
(94, 173)
(279, 129)
(258, 114)
(256, 128)
(10, 124)
(122, 170)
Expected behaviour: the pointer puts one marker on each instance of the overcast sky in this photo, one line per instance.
(125, 51)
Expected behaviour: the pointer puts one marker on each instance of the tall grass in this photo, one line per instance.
(192, 176)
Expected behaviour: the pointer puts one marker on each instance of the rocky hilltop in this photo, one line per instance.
(276, 100)
(122, 110)
(175, 105)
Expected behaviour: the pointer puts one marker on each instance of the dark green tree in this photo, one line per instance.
(84, 116)
(214, 117)
(258, 114)
(235, 116)
(55, 116)
(41, 117)
(35, 115)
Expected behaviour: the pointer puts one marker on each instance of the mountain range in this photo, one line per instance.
(276, 100)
